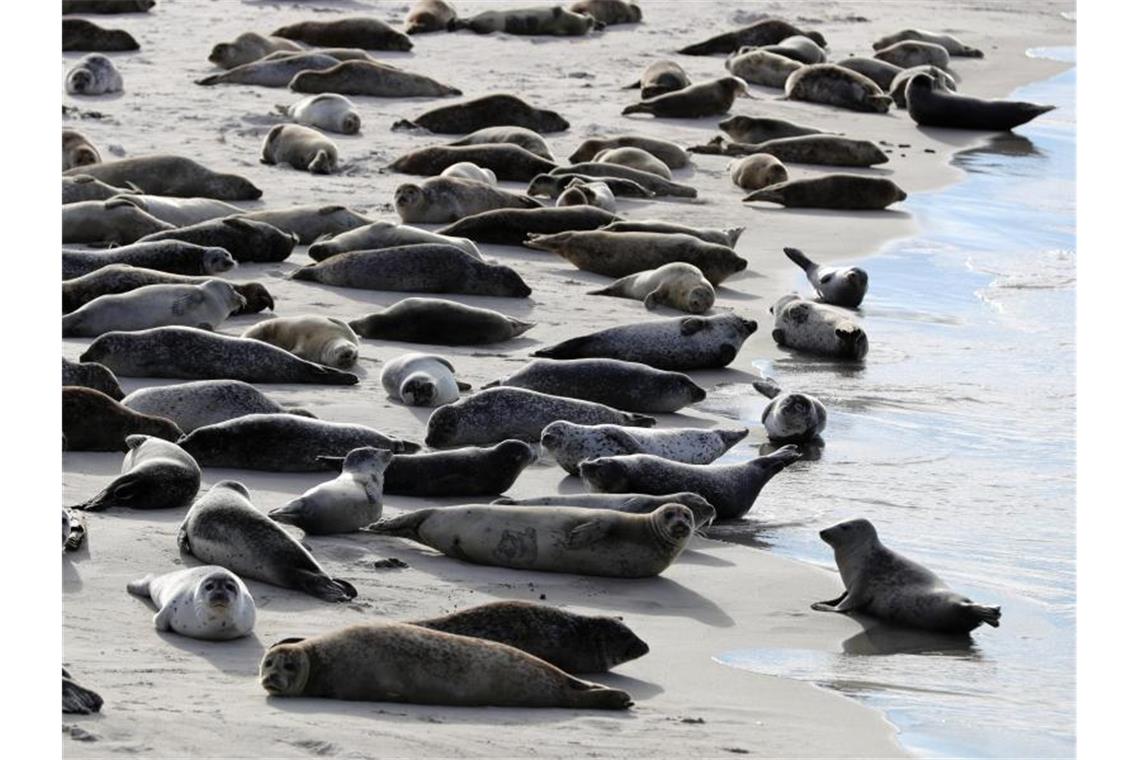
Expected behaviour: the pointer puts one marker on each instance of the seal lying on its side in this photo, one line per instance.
(695, 101)
(620, 254)
(271, 72)
(367, 33)
(308, 223)
(434, 320)
(441, 200)
(468, 471)
(171, 175)
(385, 235)
(115, 221)
(835, 191)
(817, 329)
(658, 78)
(633, 503)
(898, 85)
(525, 138)
(93, 421)
(205, 305)
(420, 379)
(914, 53)
(510, 226)
(300, 147)
(328, 111)
(92, 375)
(206, 602)
(747, 129)
(508, 161)
(247, 48)
(651, 182)
(245, 239)
(84, 187)
(669, 153)
(834, 85)
(428, 16)
(952, 44)
(498, 110)
(572, 444)
(204, 402)
(791, 417)
(767, 32)
(373, 78)
(726, 236)
(346, 503)
(156, 474)
(841, 287)
(556, 21)
(931, 105)
(123, 278)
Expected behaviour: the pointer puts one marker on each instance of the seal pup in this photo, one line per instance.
(428, 16)
(434, 320)
(678, 285)
(468, 170)
(790, 417)
(344, 504)
(420, 379)
(718, 236)
(323, 340)
(171, 175)
(83, 35)
(553, 186)
(396, 662)
(817, 329)
(385, 235)
(681, 344)
(107, 6)
(78, 700)
(121, 278)
(114, 221)
(173, 256)
(551, 539)
(619, 254)
(366, 33)
(767, 32)
(329, 111)
(506, 160)
(572, 444)
(525, 138)
(950, 43)
(581, 193)
(732, 489)
(310, 222)
(897, 88)
(156, 474)
(206, 305)
(441, 200)
(762, 67)
(224, 528)
(653, 183)
(207, 602)
(467, 471)
(931, 105)
(834, 191)
(498, 110)
(914, 53)
(83, 187)
(422, 268)
(247, 48)
(845, 286)
(270, 72)
(378, 80)
(884, 584)
(556, 21)
(509, 226)
(204, 402)
(747, 129)
(879, 72)
(756, 171)
(496, 414)
(635, 158)
(575, 643)
(93, 75)
(659, 78)
(92, 375)
(672, 155)
(833, 85)
(609, 12)
(299, 147)
(634, 503)
(181, 212)
(695, 101)
(192, 354)
(798, 48)
(93, 421)
(623, 385)
(247, 240)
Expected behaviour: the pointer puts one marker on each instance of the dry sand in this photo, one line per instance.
(167, 696)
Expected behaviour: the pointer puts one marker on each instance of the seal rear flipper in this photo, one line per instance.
(307, 273)
(462, 385)
(78, 700)
(289, 514)
(567, 349)
(404, 526)
(118, 494)
(141, 587)
(636, 108)
(211, 79)
(608, 290)
(323, 587)
(334, 376)
(656, 298)
(595, 696)
(988, 615)
(640, 420)
(799, 259)
(767, 386)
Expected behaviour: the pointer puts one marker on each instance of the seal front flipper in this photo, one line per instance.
(404, 526)
(988, 615)
(323, 587)
(78, 700)
(162, 618)
(587, 533)
(829, 605)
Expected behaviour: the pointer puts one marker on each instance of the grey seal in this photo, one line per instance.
(420, 379)
(758, 170)
(156, 474)
(93, 75)
(428, 16)
(204, 402)
(767, 32)
(635, 158)
(653, 183)
(748, 129)
(833, 85)
(466, 471)
(659, 78)
(909, 53)
(315, 338)
(525, 138)
(791, 417)
(635, 503)
(300, 147)
(509, 226)
(508, 161)
(726, 236)
(367, 33)
(669, 153)
(84, 187)
(696, 101)
(310, 222)
(898, 85)
(247, 48)
(93, 421)
(207, 602)
(950, 43)
(81, 34)
(115, 221)
(441, 200)
(121, 278)
(247, 240)
(328, 111)
(838, 286)
(879, 72)
(834, 191)
(763, 67)
(497, 110)
(678, 285)
(171, 175)
(204, 305)
(434, 320)
(931, 105)
(173, 256)
(276, 72)
(817, 329)
(92, 375)
(572, 444)
(181, 212)
(346, 503)
(540, 20)
(378, 80)
(384, 235)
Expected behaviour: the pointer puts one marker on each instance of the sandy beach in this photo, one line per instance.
(169, 696)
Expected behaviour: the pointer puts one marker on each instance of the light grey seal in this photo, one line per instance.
(634, 503)
(879, 72)
(93, 421)
(798, 48)
(174, 256)
(205, 305)
(114, 221)
(418, 379)
(245, 239)
(950, 43)
(581, 193)
(92, 375)
(367, 33)
(931, 105)
(835, 191)
(525, 138)
(756, 171)
(84, 187)
(678, 285)
(762, 67)
(497, 110)
(726, 236)
(469, 170)
(913, 53)
(81, 34)
(655, 184)
(884, 584)
(769, 31)
(204, 402)
(224, 528)
(121, 278)
(540, 20)
(181, 212)
(271, 72)
(378, 80)
(680, 344)
(385, 235)
(328, 111)
(791, 417)
(247, 48)
(846, 286)
(553, 186)
(732, 489)
(508, 161)
(171, 175)
(467, 471)
(94, 75)
(709, 98)
(299, 147)
(753, 130)
(156, 474)
(897, 87)
(428, 16)
(609, 12)
(434, 320)
(659, 78)
(635, 158)
(669, 153)
(310, 222)
(511, 226)
(207, 602)
(440, 200)
(572, 444)
(344, 504)
(323, 340)
(833, 85)
(817, 329)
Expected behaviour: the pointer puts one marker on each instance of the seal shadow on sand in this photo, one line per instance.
(236, 657)
(455, 714)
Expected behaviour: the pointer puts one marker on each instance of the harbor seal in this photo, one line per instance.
(498, 110)
(575, 643)
(93, 75)
(555, 21)
(247, 240)
(107, 6)
(756, 171)
(525, 138)
(171, 175)
(366, 33)
(247, 48)
(623, 385)
(828, 150)
(74, 530)
(395, 662)
(83, 35)
(950, 43)
(299, 147)
(421, 268)
(206, 305)
(834, 191)
(323, 340)
(83, 187)
(496, 414)
(508, 161)
(224, 528)
(554, 186)
(634, 158)
(329, 111)
(93, 421)
(378, 80)
(681, 344)
(837, 286)
(634, 503)
(173, 256)
(718, 236)
(204, 402)
(121, 278)
(709, 98)
(669, 153)
(385, 235)
(767, 32)
(897, 88)
(651, 182)
(441, 200)
(310, 222)
(510, 226)
(931, 105)
(619, 254)
(78, 700)
(762, 67)
(747, 129)
(156, 474)
(92, 375)
(732, 489)
(115, 221)
(271, 72)
(207, 602)
(551, 539)
(571, 444)
(467, 471)
(884, 584)
(833, 85)
(346, 503)
(798, 48)
(659, 78)
(434, 320)
(428, 16)
(609, 12)
(192, 354)
(879, 72)
(817, 329)
(468, 170)
(420, 379)
(581, 193)
(914, 53)
(678, 285)
(181, 212)
(791, 417)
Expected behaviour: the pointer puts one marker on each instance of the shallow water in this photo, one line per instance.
(956, 438)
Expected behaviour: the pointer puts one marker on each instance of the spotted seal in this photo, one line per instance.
(833, 85)
(509, 226)
(378, 80)
(950, 43)
(791, 417)
(817, 329)
(441, 200)
(909, 53)
(93, 75)
(385, 235)
(834, 191)
(156, 474)
(669, 153)
(92, 375)
(247, 240)
(497, 110)
(204, 402)
(466, 471)
(93, 421)
(328, 111)
(247, 48)
(762, 67)
(727, 236)
(121, 278)
(677, 285)
(204, 305)
(837, 286)
(310, 222)
(620, 254)
(748, 129)
(181, 212)
(346, 503)
(207, 602)
(266, 72)
(163, 174)
(508, 161)
(418, 379)
(635, 503)
(171, 256)
(525, 138)
(572, 444)
(696, 101)
(115, 221)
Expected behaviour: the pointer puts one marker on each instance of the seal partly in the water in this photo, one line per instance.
(845, 286)
(817, 329)
(791, 417)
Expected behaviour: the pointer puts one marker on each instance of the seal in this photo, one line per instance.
(833, 85)
(83, 35)
(107, 6)
(551, 539)
(835, 191)
(710, 98)
(181, 212)
(74, 530)
(83, 187)
(509, 226)
(156, 474)
(428, 16)
(422, 268)
(204, 402)
(496, 414)
(339, 53)
(93, 75)
(171, 175)
(173, 256)
(669, 153)
(436, 321)
(884, 584)
(379, 80)
(798, 48)
(556, 21)
(817, 329)
(205, 305)
(299, 147)
(898, 85)
(441, 200)
(121, 278)
(680, 344)
(950, 43)
(931, 105)
(732, 489)
(247, 240)
(207, 602)
(78, 700)
(634, 503)
(395, 662)
(553, 186)
(678, 285)
(623, 385)
(651, 182)
(791, 417)
(468, 170)
(276, 72)
(282, 442)
(609, 12)
(498, 110)
(344, 504)
(752, 130)
(571, 444)
(367, 33)
(726, 236)
(385, 235)
(635, 158)
(830, 150)
(763, 67)
(328, 111)
(224, 528)
(323, 340)
(757, 170)
(527, 139)
(619, 254)
(247, 48)
(93, 421)
(310, 222)
(114, 221)
(837, 286)
(659, 78)
(767, 32)
(879, 72)
(192, 354)
(467, 471)
(507, 160)
(420, 379)
(574, 643)
(912, 53)
(578, 192)
(92, 375)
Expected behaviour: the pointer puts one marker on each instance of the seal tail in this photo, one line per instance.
(799, 259)
(324, 587)
(567, 349)
(78, 700)
(592, 696)
(636, 108)
(765, 194)
(540, 242)
(767, 387)
(518, 327)
(141, 587)
(609, 290)
(331, 376)
(210, 80)
(404, 526)
(306, 273)
(290, 514)
(987, 615)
